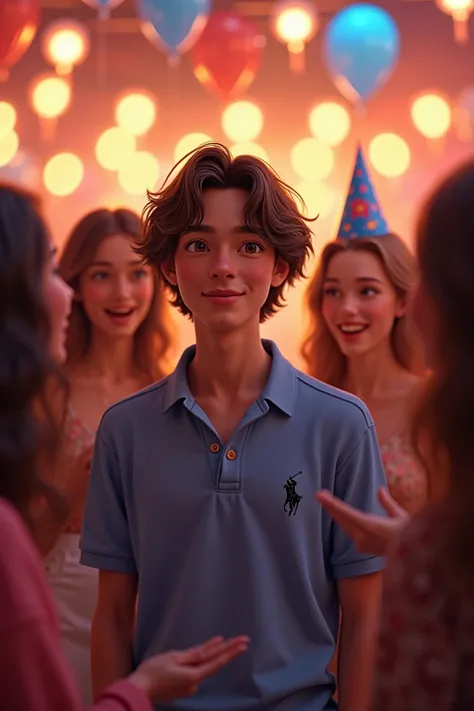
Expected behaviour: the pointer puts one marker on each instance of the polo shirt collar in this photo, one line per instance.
(280, 389)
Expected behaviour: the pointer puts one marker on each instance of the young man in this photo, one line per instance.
(201, 514)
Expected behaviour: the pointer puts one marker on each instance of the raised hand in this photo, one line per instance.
(371, 533)
(176, 675)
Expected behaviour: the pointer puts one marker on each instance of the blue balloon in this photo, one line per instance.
(174, 23)
(361, 50)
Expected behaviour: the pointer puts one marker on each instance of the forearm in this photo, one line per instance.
(357, 645)
(111, 650)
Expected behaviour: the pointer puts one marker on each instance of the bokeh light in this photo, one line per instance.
(66, 44)
(7, 118)
(294, 22)
(312, 159)
(431, 115)
(242, 121)
(23, 169)
(318, 197)
(250, 149)
(330, 122)
(188, 143)
(9, 144)
(389, 154)
(136, 113)
(139, 173)
(114, 147)
(63, 173)
(50, 96)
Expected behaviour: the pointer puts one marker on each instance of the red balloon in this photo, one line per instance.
(227, 56)
(18, 24)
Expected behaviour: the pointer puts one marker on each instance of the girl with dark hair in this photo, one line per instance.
(34, 305)
(117, 343)
(426, 656)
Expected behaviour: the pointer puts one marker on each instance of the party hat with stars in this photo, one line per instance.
(362, 216)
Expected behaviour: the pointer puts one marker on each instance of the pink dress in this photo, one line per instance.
(405, 478)
(74, 587)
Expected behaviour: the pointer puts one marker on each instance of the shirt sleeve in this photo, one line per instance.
(105, 539)
(416, 666)
(357, 483)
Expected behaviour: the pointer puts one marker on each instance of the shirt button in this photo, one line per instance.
(231, 454)
(214, 448)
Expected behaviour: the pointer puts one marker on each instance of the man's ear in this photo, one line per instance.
(280, 272)
(169, 272)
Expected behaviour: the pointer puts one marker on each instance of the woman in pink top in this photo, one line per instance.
(34, 674)
(360, 337)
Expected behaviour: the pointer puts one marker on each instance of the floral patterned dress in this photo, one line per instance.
(426, 649)
(406, 481)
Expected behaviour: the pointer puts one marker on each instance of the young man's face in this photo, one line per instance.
(224, 273)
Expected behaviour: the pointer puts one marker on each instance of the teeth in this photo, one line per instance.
(120, 313)
(352, 329)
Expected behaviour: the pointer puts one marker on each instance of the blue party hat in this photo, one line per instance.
(362, 216)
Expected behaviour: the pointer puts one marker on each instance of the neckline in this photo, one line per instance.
(74, 416)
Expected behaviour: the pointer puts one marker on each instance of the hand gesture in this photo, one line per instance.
(176, 675)
(371, 533)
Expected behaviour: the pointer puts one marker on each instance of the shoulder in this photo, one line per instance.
(23, 594)
(137, 405)
(334, 403)
(12, 529)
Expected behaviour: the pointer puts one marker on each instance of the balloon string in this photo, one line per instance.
(48, 128)
(461, 28)
(174, 90)
(102, 47)
(359, 120)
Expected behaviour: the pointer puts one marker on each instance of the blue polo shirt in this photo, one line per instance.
(227, 538)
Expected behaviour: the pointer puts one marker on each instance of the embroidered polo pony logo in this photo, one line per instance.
(292, 497)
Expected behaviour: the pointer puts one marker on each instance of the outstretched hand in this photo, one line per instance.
(371, 533)
(176, 675)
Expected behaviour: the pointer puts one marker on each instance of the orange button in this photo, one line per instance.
(214, 448)
(231, 454)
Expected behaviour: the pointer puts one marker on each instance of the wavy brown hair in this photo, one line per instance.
(29, 431)
(320, 351)
(442, 428)
(153, 338)
(271, 212)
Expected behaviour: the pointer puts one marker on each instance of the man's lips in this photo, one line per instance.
(223, 293)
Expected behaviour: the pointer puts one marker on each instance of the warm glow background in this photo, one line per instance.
(85, 148)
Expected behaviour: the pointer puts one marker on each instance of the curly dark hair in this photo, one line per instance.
(271, 211)
(26, 368)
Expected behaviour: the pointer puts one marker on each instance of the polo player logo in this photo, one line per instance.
(292, 497)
